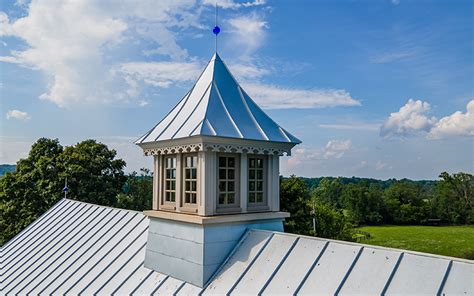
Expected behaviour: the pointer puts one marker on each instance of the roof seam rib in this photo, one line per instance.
(225, 109)
(392, 274)
(98, 261)
(142, 138)
(192, 112)
(23, 236)
(251, 264)
(445, 278)
(251, 114)
(346, 276)
(38, 222)
(39, 244)
(44, 253)
(78, 248)
(141, 282)
(310, 270)
(75, 260)
(159, 285)
(282, 131)
(209, 125)
(112, 261)
(176, 115)
(282, 261)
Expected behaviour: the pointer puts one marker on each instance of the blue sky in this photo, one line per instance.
(373, 88)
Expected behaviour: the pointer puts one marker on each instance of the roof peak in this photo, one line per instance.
(217, 106)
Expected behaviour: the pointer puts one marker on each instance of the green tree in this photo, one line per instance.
(454, 202)
(295, 198)
(332, 223)
(406, 203)
(94, 175)
(138, 191)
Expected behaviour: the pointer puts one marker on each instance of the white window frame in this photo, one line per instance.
(236, 205)
(263, 204)
(185, 206)
(170, 205)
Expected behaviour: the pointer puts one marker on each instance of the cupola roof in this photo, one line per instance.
(217, 106)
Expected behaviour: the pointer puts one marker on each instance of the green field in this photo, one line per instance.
(455, 241)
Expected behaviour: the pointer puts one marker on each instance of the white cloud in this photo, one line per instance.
(18, 115)
(230, 4)
(276, 97)
(69, 42)
(412, 120)
(409, 120)
(355, 126)
(337, 148)
(334, 149)
(249, 32)
(161, 74)
(456, 124)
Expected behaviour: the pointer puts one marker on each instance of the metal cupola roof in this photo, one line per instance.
(217, 106)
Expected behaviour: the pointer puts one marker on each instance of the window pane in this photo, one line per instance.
(187, 198)
(251, 197)
(195, 161)
(193, 186)
(168, 174)
(193, 198)
(259, 163)
(187, 186)
(230, 198)
(222, 186)
(173, 195)
(174, 162)
(252, 174)
(230, 174)
(222, 198)
(260, 174)
(222, 174)
(259, 197)
(251, 186)
(230, 186)
(173, 174)
(193, 173)
(187, 173)
(222, 161)
(251, 162)
(231, 162)
(173, 185)
(168, 185)
(259, 186)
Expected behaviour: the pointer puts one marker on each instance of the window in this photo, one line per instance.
(190, 179)
(170, 179)
(227, 181)
(256, 180)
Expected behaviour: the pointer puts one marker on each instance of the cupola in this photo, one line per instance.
(216, 174)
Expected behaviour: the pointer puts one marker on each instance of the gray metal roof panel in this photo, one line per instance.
(82, 248)
(217, 100)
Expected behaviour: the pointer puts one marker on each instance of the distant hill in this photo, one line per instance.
(5, 168)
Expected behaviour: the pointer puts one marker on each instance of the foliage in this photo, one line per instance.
(94, 175)
(456, 241)
(332, 223)
(137, 192)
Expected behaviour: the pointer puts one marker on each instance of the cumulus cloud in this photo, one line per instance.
(277, 97)
(69, 42)
(18, 115)
(334, 149)
(409, 120)
(161, 74)
(230, 4)
(412, 119)
(456, 124)
(249, 31)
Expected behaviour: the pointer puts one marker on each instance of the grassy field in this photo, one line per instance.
(455, 241)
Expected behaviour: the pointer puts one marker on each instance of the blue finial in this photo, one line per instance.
(216, 30)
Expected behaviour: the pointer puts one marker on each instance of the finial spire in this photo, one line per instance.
(216, 29)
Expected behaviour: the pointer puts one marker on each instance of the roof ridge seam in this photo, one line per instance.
(262, 132)
(226, 110)
(176, 115)
(192, 112)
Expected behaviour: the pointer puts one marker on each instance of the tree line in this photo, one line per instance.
(336, 205)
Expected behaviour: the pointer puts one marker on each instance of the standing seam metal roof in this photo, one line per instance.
(217, 106)
(80, 248)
